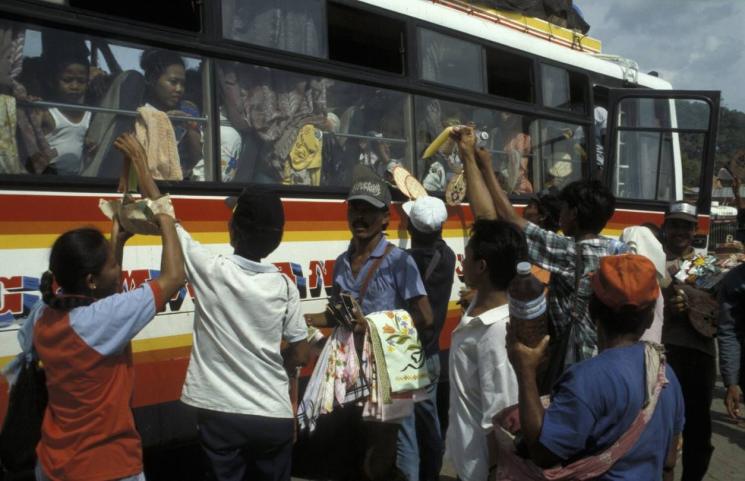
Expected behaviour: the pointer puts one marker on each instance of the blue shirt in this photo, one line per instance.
(396, 281)
(596, 401)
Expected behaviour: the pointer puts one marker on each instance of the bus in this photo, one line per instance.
(293, 94)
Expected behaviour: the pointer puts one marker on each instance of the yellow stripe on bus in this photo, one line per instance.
(43, 241)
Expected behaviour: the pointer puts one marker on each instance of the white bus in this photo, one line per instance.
(369, 81)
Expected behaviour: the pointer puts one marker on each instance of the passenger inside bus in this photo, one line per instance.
(66, 79)
(165, 80)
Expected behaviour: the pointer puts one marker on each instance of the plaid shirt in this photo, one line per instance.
(568, 299)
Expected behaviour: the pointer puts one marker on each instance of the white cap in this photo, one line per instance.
(426, 214)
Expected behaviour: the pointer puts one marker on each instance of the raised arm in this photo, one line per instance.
(487, 198)
(119, 237)
(172, 275)
(131, 148)
(476, 190)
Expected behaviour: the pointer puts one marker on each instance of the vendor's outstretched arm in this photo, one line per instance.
(476, 191)
(501, 203)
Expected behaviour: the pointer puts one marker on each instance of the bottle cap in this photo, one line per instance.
(523, 268)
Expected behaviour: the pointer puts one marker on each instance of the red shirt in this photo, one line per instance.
(88, 432)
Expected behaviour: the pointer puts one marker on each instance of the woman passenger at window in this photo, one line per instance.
(165, 80)
(64, 129)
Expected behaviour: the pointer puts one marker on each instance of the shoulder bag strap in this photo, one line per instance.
(592, 467)
(371, 272)
(433, 263)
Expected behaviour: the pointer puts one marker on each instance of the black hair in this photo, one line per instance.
(624, 321)
(501, 245)
(258, 224)
(549, 206)
(593, 201)
(154, 62)
(75, 254)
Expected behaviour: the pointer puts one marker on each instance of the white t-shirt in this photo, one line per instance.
(482, 383)
(243, 310)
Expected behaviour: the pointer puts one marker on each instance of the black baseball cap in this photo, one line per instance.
(256, 210)
(370, 187)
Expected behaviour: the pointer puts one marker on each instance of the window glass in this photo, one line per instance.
(180, 14)
(297, 26)
(364, 38)
(279, 127)
(664, 113)
(559, 153)
(450, 61)
(75, 94)
(646, 160)
(509, 75)
(528, 155)
(563, 89)
(642, 158)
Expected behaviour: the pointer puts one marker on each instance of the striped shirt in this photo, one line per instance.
(568, 299)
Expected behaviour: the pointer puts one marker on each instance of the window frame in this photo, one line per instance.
(212, 48)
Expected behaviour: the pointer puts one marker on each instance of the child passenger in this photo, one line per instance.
(82, 336)
(237, 376)
(64, 130)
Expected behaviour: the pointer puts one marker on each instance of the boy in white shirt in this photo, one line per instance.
(237, 377)
(482, 381)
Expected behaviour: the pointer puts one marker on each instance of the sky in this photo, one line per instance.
(693, 44)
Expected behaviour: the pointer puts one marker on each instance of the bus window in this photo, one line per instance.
(509, 75)
(296, 26)
(279, 127)
(450, 61)
(504, 134)
(564, 89)
(559, 154)
(180, 14)
(651, 148)
(366, 39)
(82, 92)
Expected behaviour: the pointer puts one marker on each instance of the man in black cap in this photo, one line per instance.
(237, 377)
(689, 351)
(382, 277)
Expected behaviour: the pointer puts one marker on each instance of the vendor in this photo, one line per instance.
(689, 353)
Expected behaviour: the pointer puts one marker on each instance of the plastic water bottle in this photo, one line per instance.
(527, 304)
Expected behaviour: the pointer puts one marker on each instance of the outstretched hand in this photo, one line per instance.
(524, 359)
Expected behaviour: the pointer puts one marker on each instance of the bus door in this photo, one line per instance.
(660, 147)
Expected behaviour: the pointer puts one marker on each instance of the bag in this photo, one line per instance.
(22, 426)
(703, 310)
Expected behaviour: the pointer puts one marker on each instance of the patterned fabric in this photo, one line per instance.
(8, 148)
(402, 353)
(568, 299)
(336, 379)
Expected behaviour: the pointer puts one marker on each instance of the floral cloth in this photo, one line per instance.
(402, 353)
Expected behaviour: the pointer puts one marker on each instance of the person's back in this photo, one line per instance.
(244, 310)
(600, 398)
(238, 377)
(436, 264)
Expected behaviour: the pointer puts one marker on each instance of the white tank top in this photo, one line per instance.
(68, 138)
